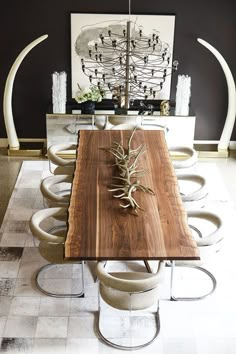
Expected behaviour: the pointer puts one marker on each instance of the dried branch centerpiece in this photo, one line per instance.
(127, 162)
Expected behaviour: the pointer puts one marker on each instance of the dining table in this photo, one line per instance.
(100, 229)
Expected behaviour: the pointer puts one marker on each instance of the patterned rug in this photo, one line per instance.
(31, 322)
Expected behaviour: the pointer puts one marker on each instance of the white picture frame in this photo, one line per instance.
(87, 27)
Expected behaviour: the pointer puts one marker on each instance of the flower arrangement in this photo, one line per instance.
(92, 93)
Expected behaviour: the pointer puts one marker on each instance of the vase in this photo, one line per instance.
(88, 107)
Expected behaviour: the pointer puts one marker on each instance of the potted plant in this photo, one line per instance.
(87, 97)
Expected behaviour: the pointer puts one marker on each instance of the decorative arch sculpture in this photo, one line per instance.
(231, 113)
(7, 99)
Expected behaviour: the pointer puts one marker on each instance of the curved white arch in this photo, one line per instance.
(7, 99)
(231, 113)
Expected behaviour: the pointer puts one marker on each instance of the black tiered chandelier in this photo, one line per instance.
(128, 65)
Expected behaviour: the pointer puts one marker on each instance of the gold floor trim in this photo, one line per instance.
(210, 150)
(29, 149)
(23, 152)
(214, 154)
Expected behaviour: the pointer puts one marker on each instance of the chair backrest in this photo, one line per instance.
(130, 290)
(154, 126)
(189, 161)
(198, 193)
(144, 126)
(48, 182)
(42, 215)
(127, 126)
(215, 236)
(57, 160)
(64, 170)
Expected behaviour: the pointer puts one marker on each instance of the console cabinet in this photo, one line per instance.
(63, 128)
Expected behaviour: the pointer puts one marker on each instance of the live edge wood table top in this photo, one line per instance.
(99, 229)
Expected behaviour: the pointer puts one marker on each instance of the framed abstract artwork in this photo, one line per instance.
(99, 53)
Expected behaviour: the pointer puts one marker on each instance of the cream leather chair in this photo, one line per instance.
(129, 291)
(154, 126)
(132, 125)
(127, 126)
(51, 246)
(193, 190)
(189, 156)
(208, 244)
(64, 166)
(59, 198)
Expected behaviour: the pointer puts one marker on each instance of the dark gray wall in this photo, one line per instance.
(23, 21)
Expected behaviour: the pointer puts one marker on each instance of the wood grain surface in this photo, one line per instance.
(99, 229)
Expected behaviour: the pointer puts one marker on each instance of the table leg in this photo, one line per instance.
(147, 266)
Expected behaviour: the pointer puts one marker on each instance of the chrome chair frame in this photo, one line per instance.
(55, 240)
(201, 243)
(195, 298)
(124, 347)
(58, 295)
(128, 285)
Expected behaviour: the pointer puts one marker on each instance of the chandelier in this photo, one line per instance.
(128, 65)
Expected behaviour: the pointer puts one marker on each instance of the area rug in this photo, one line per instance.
(31, 322)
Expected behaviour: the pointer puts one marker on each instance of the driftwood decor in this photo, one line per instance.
(126, 160)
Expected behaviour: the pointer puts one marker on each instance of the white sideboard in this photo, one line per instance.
(62, 128)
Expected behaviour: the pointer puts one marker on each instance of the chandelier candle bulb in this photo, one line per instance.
(183, 94)
(59, 92)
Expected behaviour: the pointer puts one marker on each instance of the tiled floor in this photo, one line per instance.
(31, 322)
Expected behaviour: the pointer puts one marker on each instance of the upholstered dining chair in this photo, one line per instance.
(64, 166)
(56, 198)
(51, 246)
(208, 244)
(193, 190)
(144, 126)
(129, 291)
(189, 156)
(127, 126)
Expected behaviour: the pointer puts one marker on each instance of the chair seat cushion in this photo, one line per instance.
(195, 217)
(124, 301)
(64, 170)
(191, 156)
(130, 290)
(53, 253)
